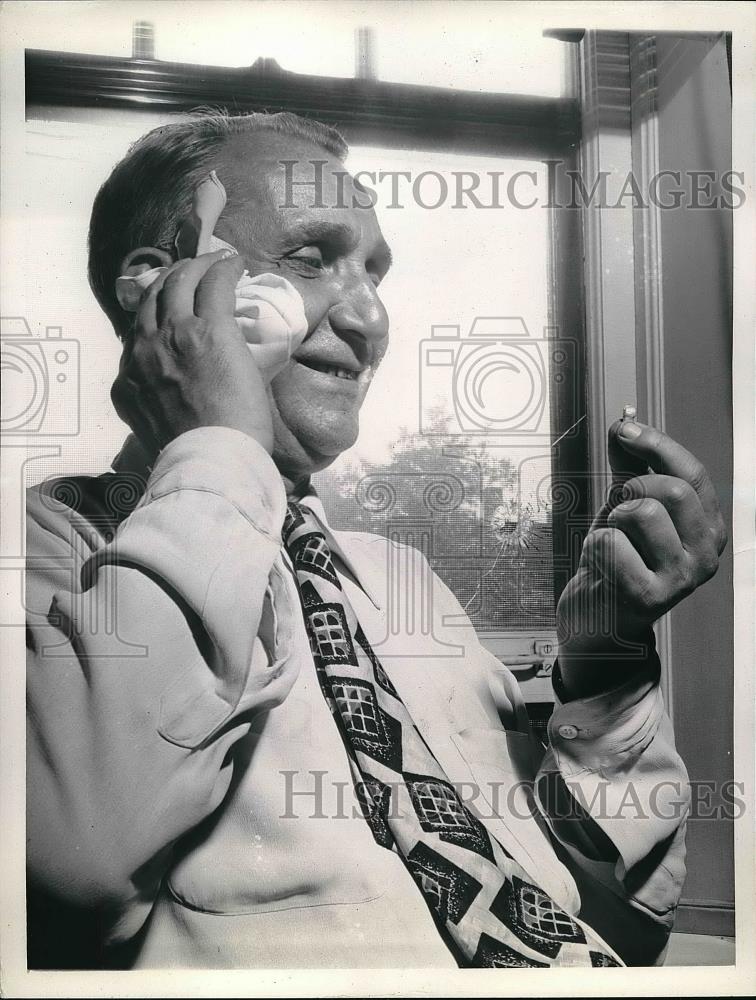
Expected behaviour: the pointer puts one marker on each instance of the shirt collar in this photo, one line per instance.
(134, 458)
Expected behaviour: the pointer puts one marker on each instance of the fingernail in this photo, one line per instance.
(629, 429)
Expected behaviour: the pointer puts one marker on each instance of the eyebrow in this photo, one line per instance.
(337, 234)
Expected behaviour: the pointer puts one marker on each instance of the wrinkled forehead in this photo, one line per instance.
(285, 182)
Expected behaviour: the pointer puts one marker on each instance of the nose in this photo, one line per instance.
(360, 317)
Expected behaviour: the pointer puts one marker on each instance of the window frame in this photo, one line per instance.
(634, 122)
(393, 116)
(368, 112)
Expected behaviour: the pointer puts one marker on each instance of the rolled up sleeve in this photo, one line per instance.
(148, 647)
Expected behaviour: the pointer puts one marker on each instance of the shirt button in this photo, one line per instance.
(568, 732)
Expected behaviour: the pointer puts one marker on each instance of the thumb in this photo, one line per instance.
(216, 292)
(624, 466)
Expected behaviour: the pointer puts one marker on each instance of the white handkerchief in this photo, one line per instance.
(269, 310)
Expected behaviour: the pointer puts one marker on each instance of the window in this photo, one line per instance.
(466, 448)
(455, 434)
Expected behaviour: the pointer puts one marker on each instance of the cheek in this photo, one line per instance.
(317, 300)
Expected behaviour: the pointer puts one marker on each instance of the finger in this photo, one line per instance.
(176, 298)
(650, 529)
(613, 556)
(624, 464)
(681, 503)
(624, 467)
(146, 322)
(662, 454)
(215, 295)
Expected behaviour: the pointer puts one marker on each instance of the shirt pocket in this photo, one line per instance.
(289, 835)
(503, 764)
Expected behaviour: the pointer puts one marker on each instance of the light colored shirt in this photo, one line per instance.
(187, 782)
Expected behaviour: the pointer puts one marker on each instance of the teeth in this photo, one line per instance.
(334, 370)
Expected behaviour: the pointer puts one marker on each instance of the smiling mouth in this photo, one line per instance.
(326, 369)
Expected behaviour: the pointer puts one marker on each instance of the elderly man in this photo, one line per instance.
(229, 761)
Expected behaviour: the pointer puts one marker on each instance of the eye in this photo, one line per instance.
(308, 258)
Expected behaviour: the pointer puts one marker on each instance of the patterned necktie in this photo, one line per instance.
(487, 910)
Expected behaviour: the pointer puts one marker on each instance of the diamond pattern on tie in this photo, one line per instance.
(310, 553)
(294, 519)
(371, 730)
(374, 799)
(380, 674)
(539, 914)
(377, 728)
(356, 702)
(535, 917)
(440, 811)
(309, 594)
(493, 954)
(449, 889)
(600, 961)
(329, 635)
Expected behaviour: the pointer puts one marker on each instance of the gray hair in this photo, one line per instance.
(150, 190)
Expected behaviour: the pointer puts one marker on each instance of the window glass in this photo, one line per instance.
(459, 452)
(454, 453)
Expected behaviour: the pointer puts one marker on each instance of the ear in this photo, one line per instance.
(138, 269)
(144, 259)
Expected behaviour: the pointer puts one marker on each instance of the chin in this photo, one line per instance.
(302, 450)
(315, 419)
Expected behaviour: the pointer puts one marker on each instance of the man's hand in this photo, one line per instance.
(186, 364)
(657, 539)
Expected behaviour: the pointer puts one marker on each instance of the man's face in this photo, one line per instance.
(336, 257)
